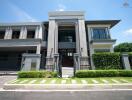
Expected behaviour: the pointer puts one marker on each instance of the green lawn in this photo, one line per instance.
(106, 80)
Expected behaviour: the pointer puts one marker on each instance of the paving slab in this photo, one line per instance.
(115, 81)
(43, 81)
(95, 81)
(84, 82)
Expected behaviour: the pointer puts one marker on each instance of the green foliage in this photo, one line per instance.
(103, 73)
(123, 47)
(37, 74)
(126, 73)
(107, 60)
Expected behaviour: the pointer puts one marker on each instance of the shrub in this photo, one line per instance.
(125, 73)
(123, 47)
(103, 73)
(85, 74)
(37, 74)
(107, 60)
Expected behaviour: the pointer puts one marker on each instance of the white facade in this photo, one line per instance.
(65, 34)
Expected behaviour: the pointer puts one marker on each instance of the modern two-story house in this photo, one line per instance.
(66, 40)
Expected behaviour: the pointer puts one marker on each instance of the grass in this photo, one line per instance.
(69, 80)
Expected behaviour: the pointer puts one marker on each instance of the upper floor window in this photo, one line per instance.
(101, 50)
(2, 34)
(100, 33)
(30, 34)
(15, 34)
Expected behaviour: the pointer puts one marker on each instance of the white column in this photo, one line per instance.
(51, 38)
(77, 38)
(23, 33)
(40, 35)
(37, 32)
(82, 38)
(126, 63)
(84, 61)
(91, 49)
(8, 33)
(56, 38)
(38, 49)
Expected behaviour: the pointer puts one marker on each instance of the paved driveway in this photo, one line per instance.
(66, 95)
(6, 78)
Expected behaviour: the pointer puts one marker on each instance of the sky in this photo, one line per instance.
(37, 11)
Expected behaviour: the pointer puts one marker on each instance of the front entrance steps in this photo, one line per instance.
(8, 73)
(67, 72)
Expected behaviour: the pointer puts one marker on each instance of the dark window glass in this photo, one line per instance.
(30, 34)
(101, 50)
(15, 34)
(66, 34)
(2, 34)
(3, 57)
(100, 33)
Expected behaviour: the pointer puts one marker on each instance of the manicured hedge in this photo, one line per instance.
(107, 60)
(123, 47)
(103, 73)
(37, 74)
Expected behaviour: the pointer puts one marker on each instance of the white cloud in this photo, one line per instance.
(128, 32)
(61, 7)
(20, 14)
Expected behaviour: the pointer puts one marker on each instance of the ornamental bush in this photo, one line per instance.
(107, 60)
(103, 73)
(37, 74)
(123, 47)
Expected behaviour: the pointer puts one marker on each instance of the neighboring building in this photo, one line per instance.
(66, 40)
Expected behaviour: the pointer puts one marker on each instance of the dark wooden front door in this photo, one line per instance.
(66, 57)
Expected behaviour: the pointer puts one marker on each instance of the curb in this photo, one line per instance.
(65, 86)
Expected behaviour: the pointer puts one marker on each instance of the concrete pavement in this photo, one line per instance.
(67, 95)
(6, 78)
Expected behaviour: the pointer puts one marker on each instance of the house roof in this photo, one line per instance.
(89, 22)
(110, 22)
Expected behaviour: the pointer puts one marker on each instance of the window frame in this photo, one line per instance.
(106, 32)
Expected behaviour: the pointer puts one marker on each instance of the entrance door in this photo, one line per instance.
(66, 57)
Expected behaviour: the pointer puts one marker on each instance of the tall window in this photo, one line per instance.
(100, 33)
(30, 34)
(101, 50)
(2, 34)
(15, 34)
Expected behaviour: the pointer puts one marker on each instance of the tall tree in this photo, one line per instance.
(123, 47)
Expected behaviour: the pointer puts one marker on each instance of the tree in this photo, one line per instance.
(123, 47)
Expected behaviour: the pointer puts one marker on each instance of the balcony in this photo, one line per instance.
(102, 42)
(67, 45)
(19, 42)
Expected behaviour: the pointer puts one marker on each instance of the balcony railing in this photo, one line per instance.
(67, 45)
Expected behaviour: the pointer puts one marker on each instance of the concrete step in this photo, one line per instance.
(8, 72)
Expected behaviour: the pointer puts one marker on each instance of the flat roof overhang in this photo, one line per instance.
(103, 22)
(22, 24)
